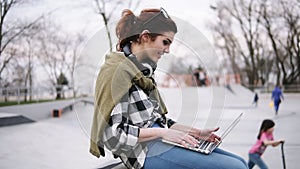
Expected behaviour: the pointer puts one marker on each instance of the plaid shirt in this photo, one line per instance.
(134, 111)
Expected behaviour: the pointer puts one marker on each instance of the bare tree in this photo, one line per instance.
(270, 31)
(106, 9)
(27, 49)
(74, 56)
(58, 54)
(51, 53)
(10, 31)
(244, 44)
(291, 17)
(226, 40)
(281, 21)
(268, 17)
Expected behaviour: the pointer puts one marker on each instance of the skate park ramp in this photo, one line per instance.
(64, 142)
(9, 119)
(236, 91)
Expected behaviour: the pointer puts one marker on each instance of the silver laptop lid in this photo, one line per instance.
(231, 126)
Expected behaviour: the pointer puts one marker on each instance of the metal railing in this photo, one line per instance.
(32, 94)
(269, 88)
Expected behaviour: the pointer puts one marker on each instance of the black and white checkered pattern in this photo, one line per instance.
(130, 114)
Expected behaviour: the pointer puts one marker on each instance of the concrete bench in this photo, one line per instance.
(58, 112)
(68, 105)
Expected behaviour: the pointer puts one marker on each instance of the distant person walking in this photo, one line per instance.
(264, 138)
(202, 78)
(277, 97)
(255, 100)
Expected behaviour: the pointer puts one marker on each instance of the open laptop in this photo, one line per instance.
(207, 147)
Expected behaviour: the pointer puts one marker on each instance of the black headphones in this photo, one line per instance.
(147, 66)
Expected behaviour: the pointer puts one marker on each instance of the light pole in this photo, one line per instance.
(298, 56)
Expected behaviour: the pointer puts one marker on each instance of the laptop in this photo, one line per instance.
(207, 147)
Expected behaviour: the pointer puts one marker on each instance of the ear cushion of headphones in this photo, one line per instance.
(145, 67)
(149, 69)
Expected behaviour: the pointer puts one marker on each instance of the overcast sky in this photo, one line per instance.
(76, 15)
(79, 15)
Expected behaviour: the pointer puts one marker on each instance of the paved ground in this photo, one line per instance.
(63, 142)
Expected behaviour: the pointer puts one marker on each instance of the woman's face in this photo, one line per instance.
(155, 49)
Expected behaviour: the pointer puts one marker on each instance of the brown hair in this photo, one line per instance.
(130, 26)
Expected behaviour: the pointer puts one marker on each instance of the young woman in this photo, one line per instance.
(264, 138)
(129, 118)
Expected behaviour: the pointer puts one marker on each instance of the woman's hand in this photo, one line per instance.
(204, 134)
(208, 134)
(180, 137)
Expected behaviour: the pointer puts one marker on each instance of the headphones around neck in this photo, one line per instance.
(147, 66)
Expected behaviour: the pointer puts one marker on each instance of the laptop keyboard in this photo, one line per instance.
(204, 146)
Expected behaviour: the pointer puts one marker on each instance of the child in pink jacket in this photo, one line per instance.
(264, 138)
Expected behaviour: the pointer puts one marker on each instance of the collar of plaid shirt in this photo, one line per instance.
(116, 77)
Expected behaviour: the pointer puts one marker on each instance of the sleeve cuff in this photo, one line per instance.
(170, 123)
(132, 139)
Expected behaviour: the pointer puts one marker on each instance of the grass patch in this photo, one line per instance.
(13, 103)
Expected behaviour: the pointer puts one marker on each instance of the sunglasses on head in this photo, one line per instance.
(162, 12)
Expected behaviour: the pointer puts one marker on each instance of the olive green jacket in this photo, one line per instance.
(116, 77)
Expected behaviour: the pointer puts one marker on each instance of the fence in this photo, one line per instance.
(269, 88)
(182, 80)
(34, 94)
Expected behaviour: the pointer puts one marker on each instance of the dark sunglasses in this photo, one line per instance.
(161, 12)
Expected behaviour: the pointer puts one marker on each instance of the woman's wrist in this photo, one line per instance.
(161, 132)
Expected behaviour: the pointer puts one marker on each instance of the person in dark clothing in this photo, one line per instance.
(277, 98)
(255, 100)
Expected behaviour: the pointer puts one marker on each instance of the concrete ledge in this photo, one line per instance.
(118, 165)
(57, 112)
(14, 120)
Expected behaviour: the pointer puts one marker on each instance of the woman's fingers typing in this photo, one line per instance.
(180, 137)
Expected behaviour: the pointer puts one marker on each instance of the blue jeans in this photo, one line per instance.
(276, 105)
(255, 159)
(162, 155)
